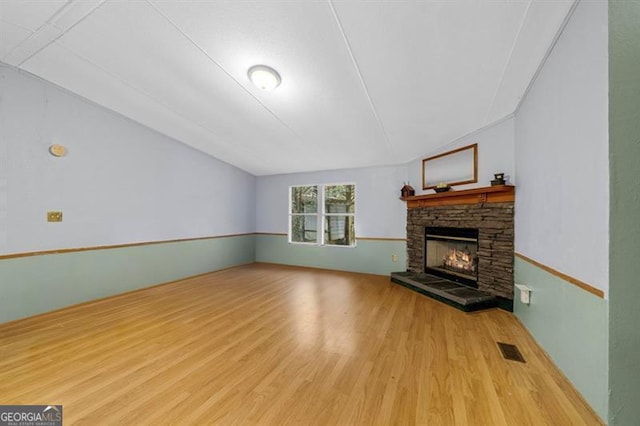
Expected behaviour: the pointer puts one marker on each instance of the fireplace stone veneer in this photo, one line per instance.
(494, 221)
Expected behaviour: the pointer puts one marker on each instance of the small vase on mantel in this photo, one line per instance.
(407, 191)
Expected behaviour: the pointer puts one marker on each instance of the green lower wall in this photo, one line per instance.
(370, 256)
(624, 210)
(571, 325)
(36, 284)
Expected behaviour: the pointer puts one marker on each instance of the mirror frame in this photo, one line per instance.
(466, 175)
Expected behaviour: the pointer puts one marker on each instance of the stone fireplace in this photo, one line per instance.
(465, 236)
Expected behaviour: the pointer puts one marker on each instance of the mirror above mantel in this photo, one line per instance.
(456, 167)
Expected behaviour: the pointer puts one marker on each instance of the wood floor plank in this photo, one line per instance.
(268, 344)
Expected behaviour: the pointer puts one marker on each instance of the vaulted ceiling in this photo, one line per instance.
(363, 83)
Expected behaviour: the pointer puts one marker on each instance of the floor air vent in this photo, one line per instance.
(510, 352)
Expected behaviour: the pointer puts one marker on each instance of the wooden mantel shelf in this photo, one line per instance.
(487, 194)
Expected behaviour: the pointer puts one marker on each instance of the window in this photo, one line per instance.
(322, 215)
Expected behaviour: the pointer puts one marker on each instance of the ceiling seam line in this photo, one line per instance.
(197, 46)
(18, 25)
(13, 49)
(360, 77)
(506, 65)
(37, 30)
(547, 54)
(58, 12)
(48, 23)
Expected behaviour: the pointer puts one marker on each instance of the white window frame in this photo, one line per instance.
(320, 215)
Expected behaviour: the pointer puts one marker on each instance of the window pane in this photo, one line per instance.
(304, 199)
(304, 229)
(339, 198)
(339, 230)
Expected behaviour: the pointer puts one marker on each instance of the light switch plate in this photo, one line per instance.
(54, 216)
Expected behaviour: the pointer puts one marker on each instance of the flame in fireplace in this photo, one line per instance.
(461, 260)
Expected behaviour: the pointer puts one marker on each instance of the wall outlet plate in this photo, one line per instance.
(525, 293)
(54, 216)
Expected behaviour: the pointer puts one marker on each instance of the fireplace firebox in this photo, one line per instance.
(452, 253)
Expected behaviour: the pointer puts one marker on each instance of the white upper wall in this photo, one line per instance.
(562, 201)
(379, 211)
(495, 155)
(120, 182)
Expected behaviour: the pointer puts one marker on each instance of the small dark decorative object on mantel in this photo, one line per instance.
(499, 179)
(407, 191)
(442, 187)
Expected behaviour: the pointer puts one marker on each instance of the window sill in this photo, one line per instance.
(321, 245)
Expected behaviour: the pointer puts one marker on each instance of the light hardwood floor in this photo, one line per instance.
(267, 344)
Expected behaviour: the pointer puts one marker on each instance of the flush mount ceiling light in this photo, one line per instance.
(264, 77)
